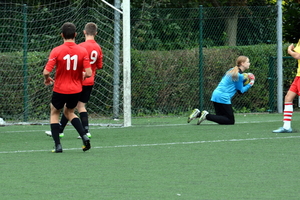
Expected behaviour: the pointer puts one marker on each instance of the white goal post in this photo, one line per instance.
(127, 63)
(126, 59)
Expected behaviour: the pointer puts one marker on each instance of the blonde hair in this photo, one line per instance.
(234, 72)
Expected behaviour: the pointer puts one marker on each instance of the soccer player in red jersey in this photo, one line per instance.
(71, 63)
(96, 60)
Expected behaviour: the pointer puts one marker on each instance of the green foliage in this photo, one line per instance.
(171, 29)
(159, 86)
(196, 3)
(164, 29)
(291, 12)
(20, 86)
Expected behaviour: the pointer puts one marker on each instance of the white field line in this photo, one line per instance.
(158, 144)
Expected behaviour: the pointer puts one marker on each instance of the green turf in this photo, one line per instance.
(157, 158)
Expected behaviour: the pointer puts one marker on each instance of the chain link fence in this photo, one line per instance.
(178, 57)
(28, 33)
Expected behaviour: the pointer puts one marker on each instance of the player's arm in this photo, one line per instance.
(86, 65)
(48, 69)
(293, 53)
(99, 64)
(239, 85)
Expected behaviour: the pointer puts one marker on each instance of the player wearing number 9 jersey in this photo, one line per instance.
(95, 52)
(69, 60)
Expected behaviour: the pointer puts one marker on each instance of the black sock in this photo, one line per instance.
(85, 121)
(78, 126)
(63, 123)
(55, 133)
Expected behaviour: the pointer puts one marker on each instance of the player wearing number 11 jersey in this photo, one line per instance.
(70, 61)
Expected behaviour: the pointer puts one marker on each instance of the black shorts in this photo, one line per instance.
(59, 100)
(85, 93)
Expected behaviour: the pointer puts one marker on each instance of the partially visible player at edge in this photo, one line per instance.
(232, 82)
(294, 90)
(96, 60)
(70, 61)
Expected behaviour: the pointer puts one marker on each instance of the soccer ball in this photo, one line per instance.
(246, 79)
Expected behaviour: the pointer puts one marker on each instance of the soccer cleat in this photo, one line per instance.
(48, 133)
(283, 130)
(57, 149)
(202, 117)
(194, 115)
(88, 134)
(86, 143)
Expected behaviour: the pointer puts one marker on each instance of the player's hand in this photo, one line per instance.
(83, 76)
(252, 78)
(48, 81)
(291, 47)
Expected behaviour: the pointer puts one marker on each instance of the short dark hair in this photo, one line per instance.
(68, 30)
(91, 28)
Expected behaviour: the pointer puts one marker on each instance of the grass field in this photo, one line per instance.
(157, 158)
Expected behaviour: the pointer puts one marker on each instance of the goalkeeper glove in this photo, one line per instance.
(252, 78)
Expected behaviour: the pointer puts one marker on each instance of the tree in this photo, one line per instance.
(231, 21)
(197, 3)
(291, 22)
(232, 14)
(229, 8)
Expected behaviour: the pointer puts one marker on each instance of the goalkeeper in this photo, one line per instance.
(232, 82)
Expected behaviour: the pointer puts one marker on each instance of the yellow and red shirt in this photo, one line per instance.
(297, 49)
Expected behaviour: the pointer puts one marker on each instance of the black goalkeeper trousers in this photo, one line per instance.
(224, 114)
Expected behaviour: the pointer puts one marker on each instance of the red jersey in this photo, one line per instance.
(95, 52)
(69, 59)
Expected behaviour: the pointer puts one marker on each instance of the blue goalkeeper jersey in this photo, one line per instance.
(227, 88)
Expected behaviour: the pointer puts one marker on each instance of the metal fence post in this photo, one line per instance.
(201, 98)
(271, 79)
(25, 68)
